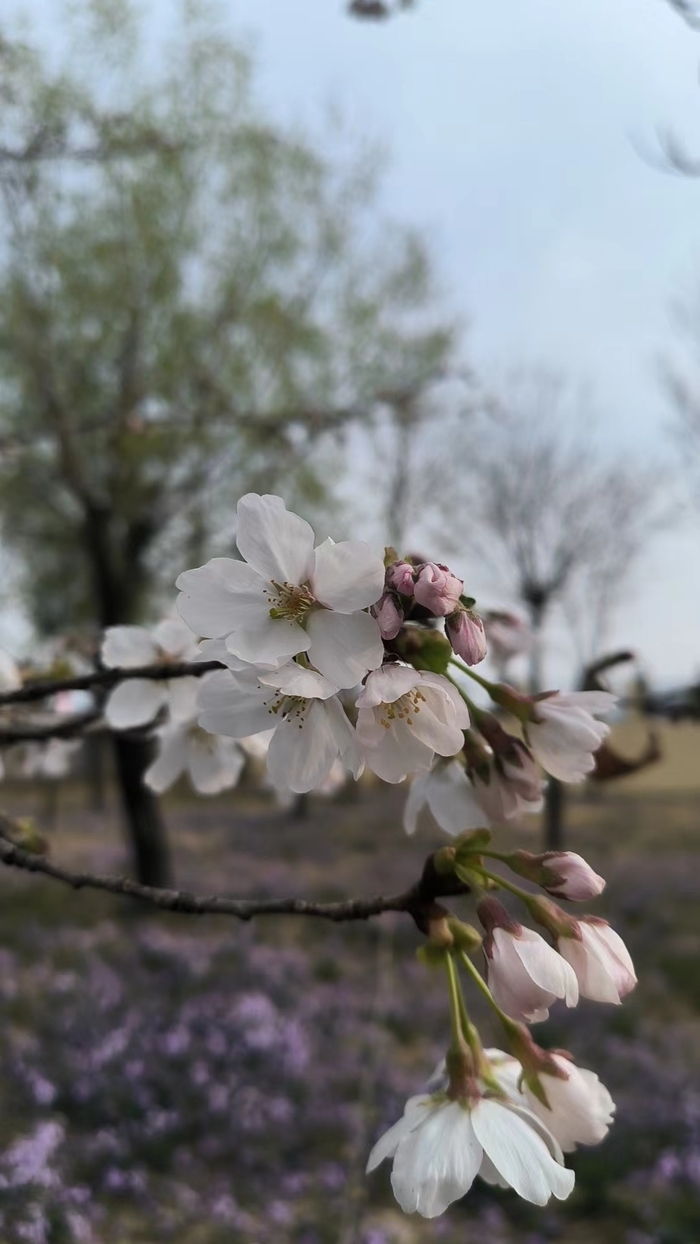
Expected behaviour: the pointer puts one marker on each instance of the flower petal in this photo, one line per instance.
(344, 646)
(182, 698)
(270, 642)
(301, 753)
(293, 679)
(221, 596)
(214, 768)
(437, 1162)
(275, 542)
(134, 703)
(176, 638)
(387, 684)
(234, 706)
(415, 1111)
(519, 1154)
(347, 576)
(450, 797)
(126, 647)
(415, 803)
(170, 761)
(216, 650)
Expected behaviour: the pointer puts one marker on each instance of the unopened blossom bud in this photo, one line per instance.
(561, 873)
(389, 615)
(525, 974)
(571, 877)
(600, 959)
(438, 589)
(400, 577)
(465, 631)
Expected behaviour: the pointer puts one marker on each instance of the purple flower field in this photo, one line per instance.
(203, 1081)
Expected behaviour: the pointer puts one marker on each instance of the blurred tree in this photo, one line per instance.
(561, 521)
(192, 303)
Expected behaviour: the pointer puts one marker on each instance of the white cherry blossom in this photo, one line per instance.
(509, 790)
(311, 729)
(600, 959)
(449, 795)
(136, 701)
(213, 763)
(287, 597)
(405, 717)
(563, 732)
(580, 1109)
(441, 1145)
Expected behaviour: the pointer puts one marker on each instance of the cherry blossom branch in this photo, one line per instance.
(42, 688)
(418, 901)
(63, 728)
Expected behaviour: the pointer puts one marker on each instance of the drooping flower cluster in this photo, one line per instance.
(509, 1117)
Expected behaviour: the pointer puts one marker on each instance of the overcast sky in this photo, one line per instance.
(514, 132)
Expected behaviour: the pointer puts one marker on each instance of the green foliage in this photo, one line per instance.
(192, 303)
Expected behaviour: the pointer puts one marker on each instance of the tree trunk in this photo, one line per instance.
(116, 593)
(554, 816)
(149, 846)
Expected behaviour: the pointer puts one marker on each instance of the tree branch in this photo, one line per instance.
(64, 728)
(41, 688)
(418, 901)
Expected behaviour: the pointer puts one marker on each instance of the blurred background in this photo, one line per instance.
(431, 272)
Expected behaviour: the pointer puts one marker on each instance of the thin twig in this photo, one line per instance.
(41, 688)
(418, 901)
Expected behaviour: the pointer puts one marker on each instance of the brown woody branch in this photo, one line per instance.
(40, 689)
(419, 901)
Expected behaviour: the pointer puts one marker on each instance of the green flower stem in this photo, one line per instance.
(483, 682)
(506, 884)
(483, 987)
(455, 1008)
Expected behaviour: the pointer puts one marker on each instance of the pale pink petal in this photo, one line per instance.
(274, 541)
(301, 753)
(213, 768)
(221, 596)
(134, 703)
(296, 680)
(182, 696)
(387, 684)
(176, 638)
(519, 1154)
(347, 576)
(170, 761)
(234, 706)
(344, 646)
(127, 647)
(269, 642)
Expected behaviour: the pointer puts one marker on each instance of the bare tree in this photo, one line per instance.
(559, 520)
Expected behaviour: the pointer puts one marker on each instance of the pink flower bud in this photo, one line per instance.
(600, 959)
(570, 877)
(465, 631)
(400, 578)
(437, 589)
(525, 974)
(389, 615)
